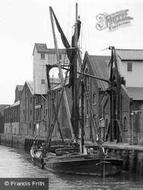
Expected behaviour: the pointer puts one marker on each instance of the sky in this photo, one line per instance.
(25, 22)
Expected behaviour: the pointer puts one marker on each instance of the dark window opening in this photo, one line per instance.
(60, 56)
(42, 81)
(94, 99)
(42, 55)
(129, 66)
(125, 124)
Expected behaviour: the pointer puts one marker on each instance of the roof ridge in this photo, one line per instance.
(99, 55)
(37, 43)
(130, 49)
(134, 87)
(30, 85)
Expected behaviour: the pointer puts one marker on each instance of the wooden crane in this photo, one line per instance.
(114, 131)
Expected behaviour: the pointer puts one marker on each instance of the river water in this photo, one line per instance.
(17, 163)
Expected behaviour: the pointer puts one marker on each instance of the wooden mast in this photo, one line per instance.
(61, 74)
(82, 116)
(75, 101)
(75, 94)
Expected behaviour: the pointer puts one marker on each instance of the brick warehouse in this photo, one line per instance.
(130, 67)
(98, 97)
(2, 108)
(36, 110)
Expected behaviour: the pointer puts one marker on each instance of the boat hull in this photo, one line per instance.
(93, 167)
(78, 164)
(37, 159)
(39, 162)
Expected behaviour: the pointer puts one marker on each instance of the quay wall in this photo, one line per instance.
(132, 155)
(25, 142)
(16, 141)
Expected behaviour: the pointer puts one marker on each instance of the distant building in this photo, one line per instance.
(98, 102)
(33, 112)
(94, 94)
(12, 114)
(18, 92)
(2, 108)
(12, 119)
(26, 109)
(43, 56)
(131, 66)
(45, 108)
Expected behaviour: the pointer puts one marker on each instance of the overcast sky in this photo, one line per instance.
(24, 22)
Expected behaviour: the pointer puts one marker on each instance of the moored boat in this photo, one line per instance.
(75, 157)
(95, 162)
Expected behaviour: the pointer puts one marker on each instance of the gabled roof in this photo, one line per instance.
(130, 54)
(19, 87)
(53, 51)
(30, 86)
(99, 66)
(15, 104)
(42, 48)
(3, 106)
(135, 92)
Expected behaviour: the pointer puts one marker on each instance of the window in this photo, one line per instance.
(106, 124)
(37, 99)
(42, 55)
(87, 83)
(38, 114)
(129, 66)
(24, 115)
(125, 124)
(87, 120)
(94, 99)
(42, 81)
(30, 126)
(46, 111)
(86, 69)
(30, 112)
(60, 56)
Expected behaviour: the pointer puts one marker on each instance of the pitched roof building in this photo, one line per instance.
(136, 93)
(130, 54)
(131, 66)
(26, 109)
(100, 100)
(99, 66)
(43, 56)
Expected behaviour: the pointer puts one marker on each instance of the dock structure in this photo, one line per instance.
(131, 154)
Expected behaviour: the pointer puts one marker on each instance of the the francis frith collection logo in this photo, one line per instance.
(113, 21)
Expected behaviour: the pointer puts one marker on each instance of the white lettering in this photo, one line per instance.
(15, 183)
(38, 183)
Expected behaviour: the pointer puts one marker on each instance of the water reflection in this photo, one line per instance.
(16, 163)
(123, 182)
